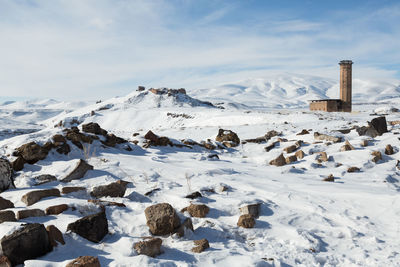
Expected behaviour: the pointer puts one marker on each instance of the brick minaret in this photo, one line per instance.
(345, 84)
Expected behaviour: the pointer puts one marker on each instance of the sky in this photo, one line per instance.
(96, 49)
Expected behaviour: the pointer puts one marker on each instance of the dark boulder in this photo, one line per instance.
(32, 152)
(5, 204)
(93, 128)
(93, 227)
(78, 172)
(115, 189)
(162, 219)
(18, 164)
(227, 136)
(6, 173)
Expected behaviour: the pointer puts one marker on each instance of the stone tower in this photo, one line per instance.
(345, 84)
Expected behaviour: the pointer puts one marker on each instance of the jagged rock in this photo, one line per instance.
(207, 145)
(154, 140)
(56, 209)
(347, 146)
(389, 150)
(322, 137)
(290, 149)
(200, 245)
(322, 156)
(377, 156)
(252, 209)
(32, 152)
(7, 216)
(116, 189)
(194, 195)
(18, 164)
(93, 128)
(271, 146)
(78, 138)
(104, 203)
(79, 171)
(353, 169)
(303, 132)
(63, 148)
(45, 178)
(152, 191)
(55, 235)
(227, 136)
(291, 159)
(186, 225)
(22, 214)
(246, 221)
(279, 161)
(330, 178)
(5, 262)
(84, 261)
(72, 189)
(198, 210)
(150, 247)
(6, 173)
(32, 197)
(93, 227)
(112, 140)
(30, 242)
(58, 139)
(376, 127)
(364, 143)
(299, 154)
(5, 204)
(161, 219)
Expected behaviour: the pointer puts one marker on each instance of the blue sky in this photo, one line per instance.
(95, 49)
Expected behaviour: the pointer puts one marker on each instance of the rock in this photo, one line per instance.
(58, 139)
(200, 245)
(364, 143)
(347, 146)
(32, 197)
(5, 262)
(84, 261)
(93, 128)
(150, 247)
(103, 203)
(112, 140)
(353, 169)
(57, 209)
(198, 210)
(194, 195)
(279, 161)
(63, 148)
(252, 209)
(330, 178)
(186, 225)
(30, 242)
(322, 137)
(227, 136)
(152, 191)
(298, 143)
(79, 171)
(389, 150)
(32, 152)
(18, 164)
(161, 219)
(377, 156)
(303, 132)
(93, 227)
(322, 156)
(78, 138)
(291, 159)
(270, 147)
(290, 149)
(45, 178)
(299, 154)
(6, 173)
(55, 236)
(115, 189)
(22, 214)
(5, 204)
(246, 221)
(71, 189)
(379, 124)
(154, 140)
(7, 216)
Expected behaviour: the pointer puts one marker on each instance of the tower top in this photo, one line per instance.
(346, 62)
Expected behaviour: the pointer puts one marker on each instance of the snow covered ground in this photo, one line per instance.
(304, 221)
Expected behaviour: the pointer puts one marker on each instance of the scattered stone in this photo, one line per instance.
(271, 146)
(79, 171)
(57, 209)
(55, 235)
(72, 189)
(345, 131)
(18, 164)
(194, 195)
(93, 128)
(7, 216)
(112, 140)
(389, 150)
(198, 210)
(322, 156)
(353, 169)
(252, 209)
(213, 156)
(155, 140)
(291, 159)
(227, 136)
(364, 143)
(32, 152)
(58, 139)
(279, 161)
(22, 214)
(5, 204)
(186, 225)
(151, 192)
(303, 132)
(32, 197)
(330, 178)
(322, 137)
(45, 178)
(200, 245)
(106, 203)
(93, 227)
(299, 154)
(84, 261)
(162, 219)
(377, 156)
(5, 262)
(290, 149)
(6, 173)
(78, 138)
(246, 221)
(29, 242)
(115, 189)
(150, 247)
(347, 146)
(376, 127)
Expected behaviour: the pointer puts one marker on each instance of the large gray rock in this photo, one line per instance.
(93, 227)
(30, 242)
(32, 197)
(115, 189)
(376, 127)
(162, 219)
(78, 172)
(5, 204)
(6, 173)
